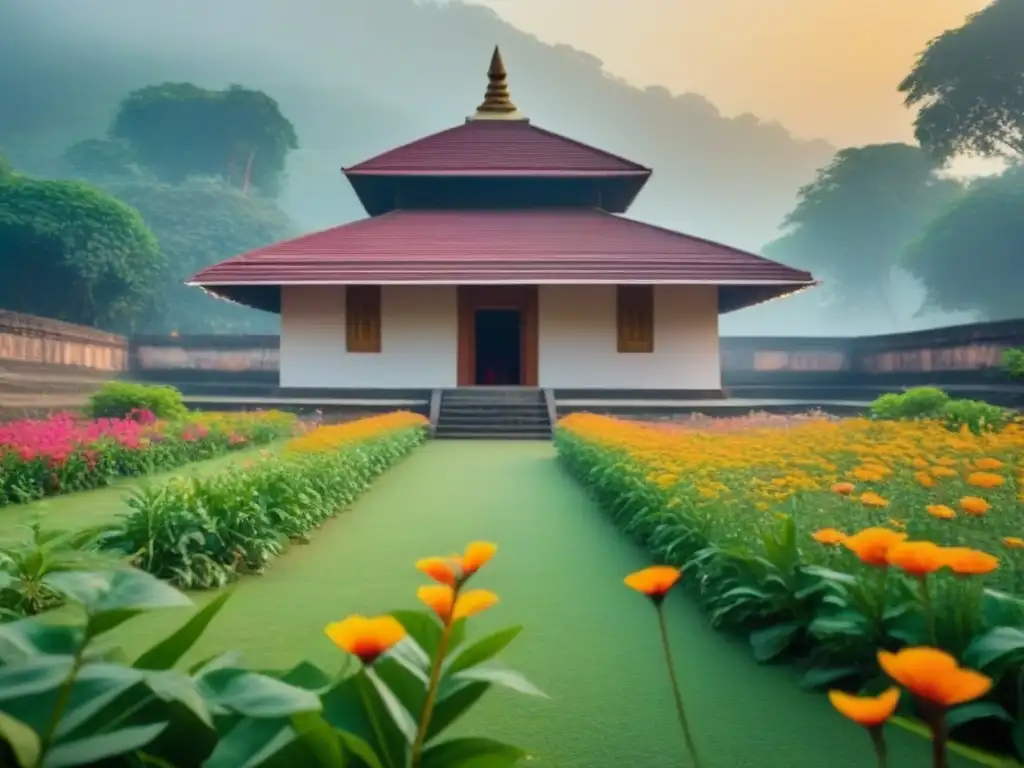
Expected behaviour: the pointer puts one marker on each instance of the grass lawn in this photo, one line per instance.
(589, 642)
(101, 505)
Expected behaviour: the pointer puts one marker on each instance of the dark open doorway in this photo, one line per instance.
(498, 334)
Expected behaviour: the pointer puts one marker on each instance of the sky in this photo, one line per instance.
(823, 68)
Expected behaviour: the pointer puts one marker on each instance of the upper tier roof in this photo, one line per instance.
(500, 247)
(497, 148)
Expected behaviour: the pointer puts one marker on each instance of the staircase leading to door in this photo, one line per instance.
(493, 413)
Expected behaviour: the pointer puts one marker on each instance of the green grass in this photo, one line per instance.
(589, 642)
(74, 511)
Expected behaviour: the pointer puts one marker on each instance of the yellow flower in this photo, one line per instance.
(365, 638)
(1013, 542)
(440, 569)
(987, 463)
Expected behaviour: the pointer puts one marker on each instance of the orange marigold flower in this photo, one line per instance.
(934, 676)
(1013, 542)
(917, 558)
(843, 489)
(965, 561)
(440, 569)
(941, 471)
(872, 545)
(985, 480)
(973, 505)
(440, 598)
(940, 511)
(655, 582)
(872, 499)
(924, 479)
(829, 536)
(868, 711)
(987, 463)
(366, 638)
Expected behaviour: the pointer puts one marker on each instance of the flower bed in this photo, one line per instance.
(61, 454)
(793, 536)
(202, 533)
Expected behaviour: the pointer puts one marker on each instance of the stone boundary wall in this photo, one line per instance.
(972, 353)
(27, 340)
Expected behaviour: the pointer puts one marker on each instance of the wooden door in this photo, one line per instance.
(520, 297)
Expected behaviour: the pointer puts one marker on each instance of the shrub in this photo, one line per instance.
(121, 399)
(975, 415)
(1013, 362)
(201, 533)
(409, 682)
(916, 403)
(765, 522)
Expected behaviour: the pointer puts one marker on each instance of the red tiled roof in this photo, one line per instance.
(497, 148)
(498, 246)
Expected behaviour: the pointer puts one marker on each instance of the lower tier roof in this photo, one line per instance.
(535, 246)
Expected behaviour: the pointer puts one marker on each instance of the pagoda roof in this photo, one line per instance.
(498, 148)
(526, 246)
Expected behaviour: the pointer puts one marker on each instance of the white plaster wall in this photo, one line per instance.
(419, 339)
(578, 339)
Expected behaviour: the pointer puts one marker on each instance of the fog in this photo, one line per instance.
(357, 77)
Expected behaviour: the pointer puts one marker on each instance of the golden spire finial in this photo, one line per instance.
(497, 105)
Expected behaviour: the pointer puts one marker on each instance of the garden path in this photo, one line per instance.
(589, 642)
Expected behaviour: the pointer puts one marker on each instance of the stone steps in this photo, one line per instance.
(493, 413)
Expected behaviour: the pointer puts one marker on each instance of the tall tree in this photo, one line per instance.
(969, 85)
(971, 257)
(198, 223)
(71, 252)
(852, 224)
(179, 129)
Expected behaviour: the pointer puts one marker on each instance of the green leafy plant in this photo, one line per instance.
(916, 403)
(66, 700)
(118, 399)
(1013, 362)
(976, 415)
(201, 533)
(25, 568)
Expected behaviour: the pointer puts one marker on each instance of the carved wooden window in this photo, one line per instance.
(362, 318)
(635, 316)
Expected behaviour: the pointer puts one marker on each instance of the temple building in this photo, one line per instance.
(497, 253)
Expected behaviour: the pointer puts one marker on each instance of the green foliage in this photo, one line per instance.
(198, 223)
(854, 221)
(95, 159)
(177, 130)
(968, 257)
(916, 403)
(1013, 362)
(201, 533)
(66, 701)
(966, 86)
(933, 403)
(977, 415)
(117, 399)
(26, 566)
(70, 252)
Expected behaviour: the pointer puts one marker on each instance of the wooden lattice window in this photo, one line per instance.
(362, 318)
(635, 318)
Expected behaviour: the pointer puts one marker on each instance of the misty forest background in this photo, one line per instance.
(141, 142)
